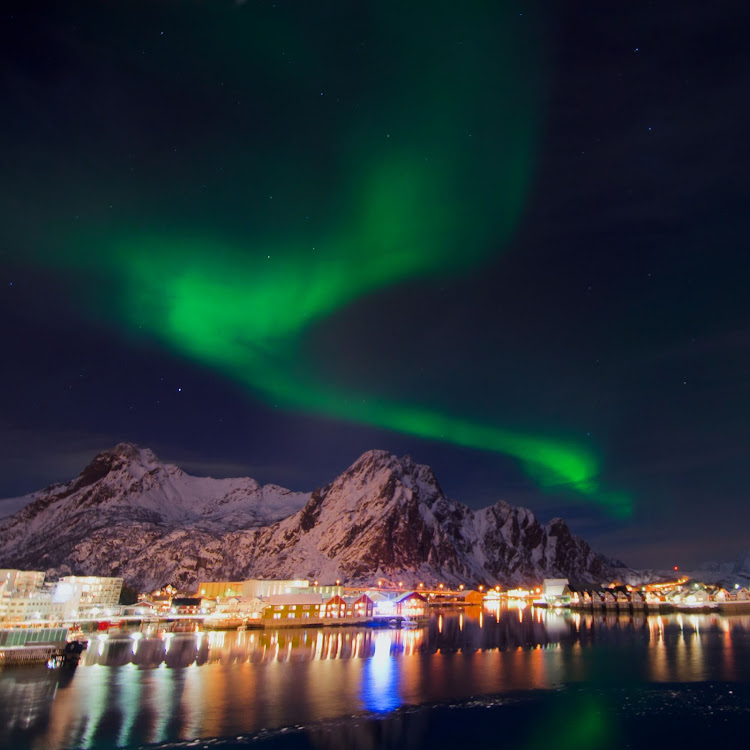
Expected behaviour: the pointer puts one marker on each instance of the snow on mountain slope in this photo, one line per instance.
(125, 501)
(387, 517)
(131, 481)
(384, 517)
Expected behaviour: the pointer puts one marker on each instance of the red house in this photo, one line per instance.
(362, 607)
(335, 607)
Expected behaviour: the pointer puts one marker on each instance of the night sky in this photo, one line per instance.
(507, 238)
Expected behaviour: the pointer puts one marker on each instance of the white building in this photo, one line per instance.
(240, 606)
(23, 597)
(30, 608)
(556, 592)
(87, 596)
(20, 582)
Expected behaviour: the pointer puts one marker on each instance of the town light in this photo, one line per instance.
(461, 587)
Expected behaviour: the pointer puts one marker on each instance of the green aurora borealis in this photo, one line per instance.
(409, 162)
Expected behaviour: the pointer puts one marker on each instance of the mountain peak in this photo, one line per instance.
(376, 461)
(128, 450)
(122, 456)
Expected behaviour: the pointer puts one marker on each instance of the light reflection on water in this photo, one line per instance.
(153, 688)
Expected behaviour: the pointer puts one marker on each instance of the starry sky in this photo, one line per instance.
(506, 238)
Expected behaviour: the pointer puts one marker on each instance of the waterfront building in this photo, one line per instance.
(28, 608)
(623, 600)
(377, 596)
(186, 605)
(411, 604)
(240, 606)
(216, 589)
(556, 592)
(23, 596)
(297, 609)
(697, 597)
(86, 596)
(141, 608)
(253, 587)
(336, 607)
(282, 608)
(362, 606)
(609, 599)
(473, 597)
(20, 582)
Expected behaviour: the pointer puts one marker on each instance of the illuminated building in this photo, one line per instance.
(556, 592)
(23, 597)
(412, 604)
(87, 596)
(252, 587)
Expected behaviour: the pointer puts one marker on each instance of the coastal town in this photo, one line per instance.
(40, 619)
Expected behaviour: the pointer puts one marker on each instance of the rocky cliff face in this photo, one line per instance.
(384, 517)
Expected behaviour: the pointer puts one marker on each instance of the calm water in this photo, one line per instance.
(525, 679)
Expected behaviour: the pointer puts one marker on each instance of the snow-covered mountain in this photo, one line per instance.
(126, 499)
(726, 574)
(384, 517)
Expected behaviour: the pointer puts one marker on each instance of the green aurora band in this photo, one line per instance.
(246, 320)
(427, 179)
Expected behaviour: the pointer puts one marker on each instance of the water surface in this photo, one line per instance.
(523, 673)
